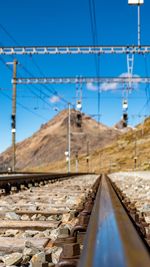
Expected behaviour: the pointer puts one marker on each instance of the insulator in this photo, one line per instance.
(125, 104)
(79, 104)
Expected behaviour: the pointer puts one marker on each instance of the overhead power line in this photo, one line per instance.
(9, 35)
(53, 92)
(94, 30)
(23, 106)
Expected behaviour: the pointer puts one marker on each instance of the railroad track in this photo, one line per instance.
(38, 213)
(16, 181)
(47, 224)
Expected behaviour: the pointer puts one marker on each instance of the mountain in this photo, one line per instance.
(130, 151)
(120, 126)
(49, 143)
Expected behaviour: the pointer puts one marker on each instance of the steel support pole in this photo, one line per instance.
(87, 158)
(76, 163)
(14, 114)
(135, 152)
(139, 26)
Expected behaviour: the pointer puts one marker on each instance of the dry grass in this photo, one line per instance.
(119, 156)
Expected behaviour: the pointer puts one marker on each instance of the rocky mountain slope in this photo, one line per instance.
(49, 144)
(129, 151)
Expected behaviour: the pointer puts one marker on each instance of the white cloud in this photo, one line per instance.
(54, 99)
(135, 85)
(91, 87)
(108, 86)
(112, 86)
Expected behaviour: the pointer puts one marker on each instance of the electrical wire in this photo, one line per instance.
(22, 106)
(92, 10)
(8, 34)
(53, 92)
(8, 66)
(34, 87)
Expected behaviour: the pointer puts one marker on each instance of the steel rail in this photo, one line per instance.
(64, 50)
(112, 239)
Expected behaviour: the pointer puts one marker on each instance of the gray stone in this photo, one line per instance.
(32, 207)
(25, 217)
(56, 217)
(12, 216)
(30, 251)
(12, 259)
(30, 233)
(146, 207)
(54, 234)
(38, 259)
(50, 218)
(13, 189)
(34, 217)
(56, 254)
(11, 233)
(42, 218)
(39, 235)
(47, 233)
(20, 234)
(25, 259)
(67, 217)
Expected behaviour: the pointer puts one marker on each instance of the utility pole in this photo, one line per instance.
(139, 25)
(68, 152)
(13, 117)
(76, 156)
(87, 157)
(138, 3)
(135, 151)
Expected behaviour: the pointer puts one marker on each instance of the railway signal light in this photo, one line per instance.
(125, 120)
(13, 122)
(79, 120)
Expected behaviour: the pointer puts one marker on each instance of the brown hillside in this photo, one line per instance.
(120, 155)
(48, 144)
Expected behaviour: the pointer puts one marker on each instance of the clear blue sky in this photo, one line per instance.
(68, 22)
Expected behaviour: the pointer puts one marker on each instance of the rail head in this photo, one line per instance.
(111, 238)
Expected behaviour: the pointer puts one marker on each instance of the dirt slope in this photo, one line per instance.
(130, 151)
(48, 144)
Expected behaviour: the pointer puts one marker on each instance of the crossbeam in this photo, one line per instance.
(60, 50)
(74, 80)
